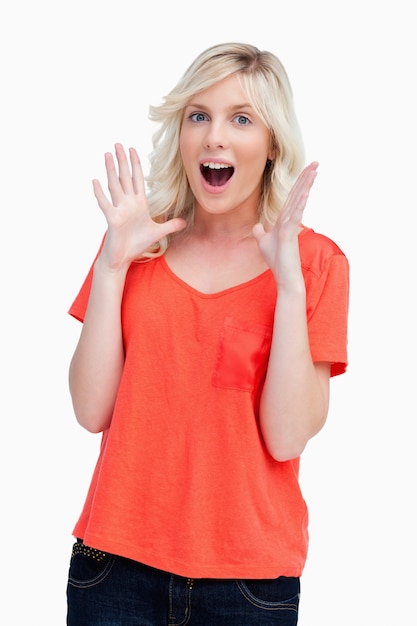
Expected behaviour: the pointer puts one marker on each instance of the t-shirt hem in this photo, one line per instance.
(197, 570)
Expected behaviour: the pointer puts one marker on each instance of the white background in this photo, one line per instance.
(78, 76)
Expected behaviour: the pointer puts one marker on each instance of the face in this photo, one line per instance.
(224, 147)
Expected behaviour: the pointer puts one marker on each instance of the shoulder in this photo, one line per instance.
(317, 251)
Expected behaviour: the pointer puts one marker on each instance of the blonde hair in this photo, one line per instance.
(268, 89)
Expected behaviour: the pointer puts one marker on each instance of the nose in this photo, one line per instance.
(215, 136)
(212, 145)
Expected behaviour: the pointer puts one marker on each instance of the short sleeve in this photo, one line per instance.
(327, 313)
(79, 306)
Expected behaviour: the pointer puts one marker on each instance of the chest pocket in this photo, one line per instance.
(242, 355)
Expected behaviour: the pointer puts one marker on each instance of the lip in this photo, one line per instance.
(212, 160)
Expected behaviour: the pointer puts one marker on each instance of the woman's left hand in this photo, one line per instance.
(279, 246)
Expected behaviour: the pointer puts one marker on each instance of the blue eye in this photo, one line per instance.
(242, 120)
(198, 117)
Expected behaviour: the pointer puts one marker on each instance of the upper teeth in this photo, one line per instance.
(216, 166)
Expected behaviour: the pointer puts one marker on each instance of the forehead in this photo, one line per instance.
(227, 92)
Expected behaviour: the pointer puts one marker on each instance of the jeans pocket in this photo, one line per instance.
(278, 593)
(88, 566)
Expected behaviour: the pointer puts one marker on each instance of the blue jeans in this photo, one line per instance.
(108, 590)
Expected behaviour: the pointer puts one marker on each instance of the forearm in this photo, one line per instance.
(97, 364)
(294, 401)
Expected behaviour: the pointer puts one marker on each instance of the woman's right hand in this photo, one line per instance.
(98, 361)
(131, 230)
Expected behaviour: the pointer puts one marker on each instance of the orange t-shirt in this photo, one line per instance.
(184, 482)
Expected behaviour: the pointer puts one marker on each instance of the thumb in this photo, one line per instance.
(174, 225)
(258, 231)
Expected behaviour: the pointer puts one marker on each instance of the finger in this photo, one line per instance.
(172, 226)
(295, 208)
(137, 173)
(113, 182)
(297, 197)
(258, 231)
(304, 181)
(101, 198)
(125, 176)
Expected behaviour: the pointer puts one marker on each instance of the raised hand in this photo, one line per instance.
(131, 230)
(279, 246)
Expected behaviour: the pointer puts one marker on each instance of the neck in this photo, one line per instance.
(221, 228)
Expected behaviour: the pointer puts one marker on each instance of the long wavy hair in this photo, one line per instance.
(266, 85)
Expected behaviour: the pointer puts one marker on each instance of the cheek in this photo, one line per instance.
(188, 139)
(184, 154)
(188, 158)
(256, 151)
(186, 150)
(256, 161)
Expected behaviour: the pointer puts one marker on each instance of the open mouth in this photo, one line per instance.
(216, 174)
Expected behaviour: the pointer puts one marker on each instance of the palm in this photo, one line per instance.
(279, 246)
(131, 230)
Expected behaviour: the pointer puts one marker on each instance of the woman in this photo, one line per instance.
(212, 323)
